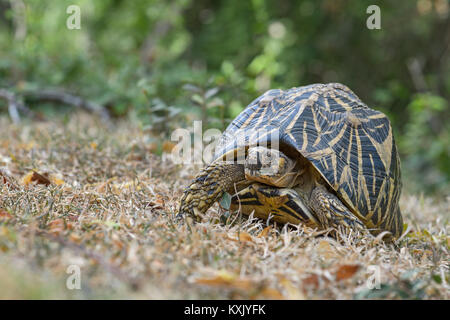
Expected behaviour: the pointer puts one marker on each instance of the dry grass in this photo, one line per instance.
(109, 209)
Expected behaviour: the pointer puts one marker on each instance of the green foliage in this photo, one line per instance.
(426, 142)
(206, 99)
(137, 58)
(161, 116)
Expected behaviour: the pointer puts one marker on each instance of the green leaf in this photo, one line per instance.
(225, 202)
(192, 88)
(211, 92)
(198, 99)
(437, 278)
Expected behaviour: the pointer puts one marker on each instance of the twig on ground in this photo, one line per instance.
(13, 104)
(50, 95)
(60, 96)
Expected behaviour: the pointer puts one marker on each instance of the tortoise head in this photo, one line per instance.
(270, 166)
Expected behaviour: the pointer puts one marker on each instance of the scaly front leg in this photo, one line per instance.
(208, 186)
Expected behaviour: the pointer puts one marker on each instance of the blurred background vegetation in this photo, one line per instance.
(163, 64)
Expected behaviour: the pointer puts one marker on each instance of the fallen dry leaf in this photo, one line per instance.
(5, 178)
(293, 292)
(75, 238)
(245, 237)
(265, 232)
(152, 147)
(102, 187)
(119, 244)
(241, 236)
(269, 293)
(35, 177)
(346, 271)
(55, 180)
(26, 146)
(56, 226)
(157, 203)
(168, 146)
(325, 249)
(4, 215)
(311, 281)
(227, 280)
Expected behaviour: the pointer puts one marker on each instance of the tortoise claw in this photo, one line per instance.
(191, 212)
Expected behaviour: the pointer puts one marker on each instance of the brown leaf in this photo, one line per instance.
(168, 146)
(346, 271)
(245, 237)
(101, 187)
(56, 180)
(4, 215)
(35, 177)
(227, 280)
(134, 157)
(75, 238)
(293, 293)
(6, 179)
(265, 232)
(119, 244)
(105, 186)
(311, 281)
(325, 249)
(152, 147)
(157, 203)
(56, 226)
(240, 237)
(3, 178)
(269, 293)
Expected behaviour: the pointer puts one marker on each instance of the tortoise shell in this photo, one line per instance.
(351, 145)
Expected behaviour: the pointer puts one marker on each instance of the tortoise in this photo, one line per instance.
(314, 154)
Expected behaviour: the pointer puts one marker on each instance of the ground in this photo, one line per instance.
(80, 200)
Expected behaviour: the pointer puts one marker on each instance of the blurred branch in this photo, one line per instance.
(442, 58)
(446, 47)
(415, 70)
(151, 41)
(19, 16)
(59, 96)
(159, 31)
(50, 95)
(14, 105)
